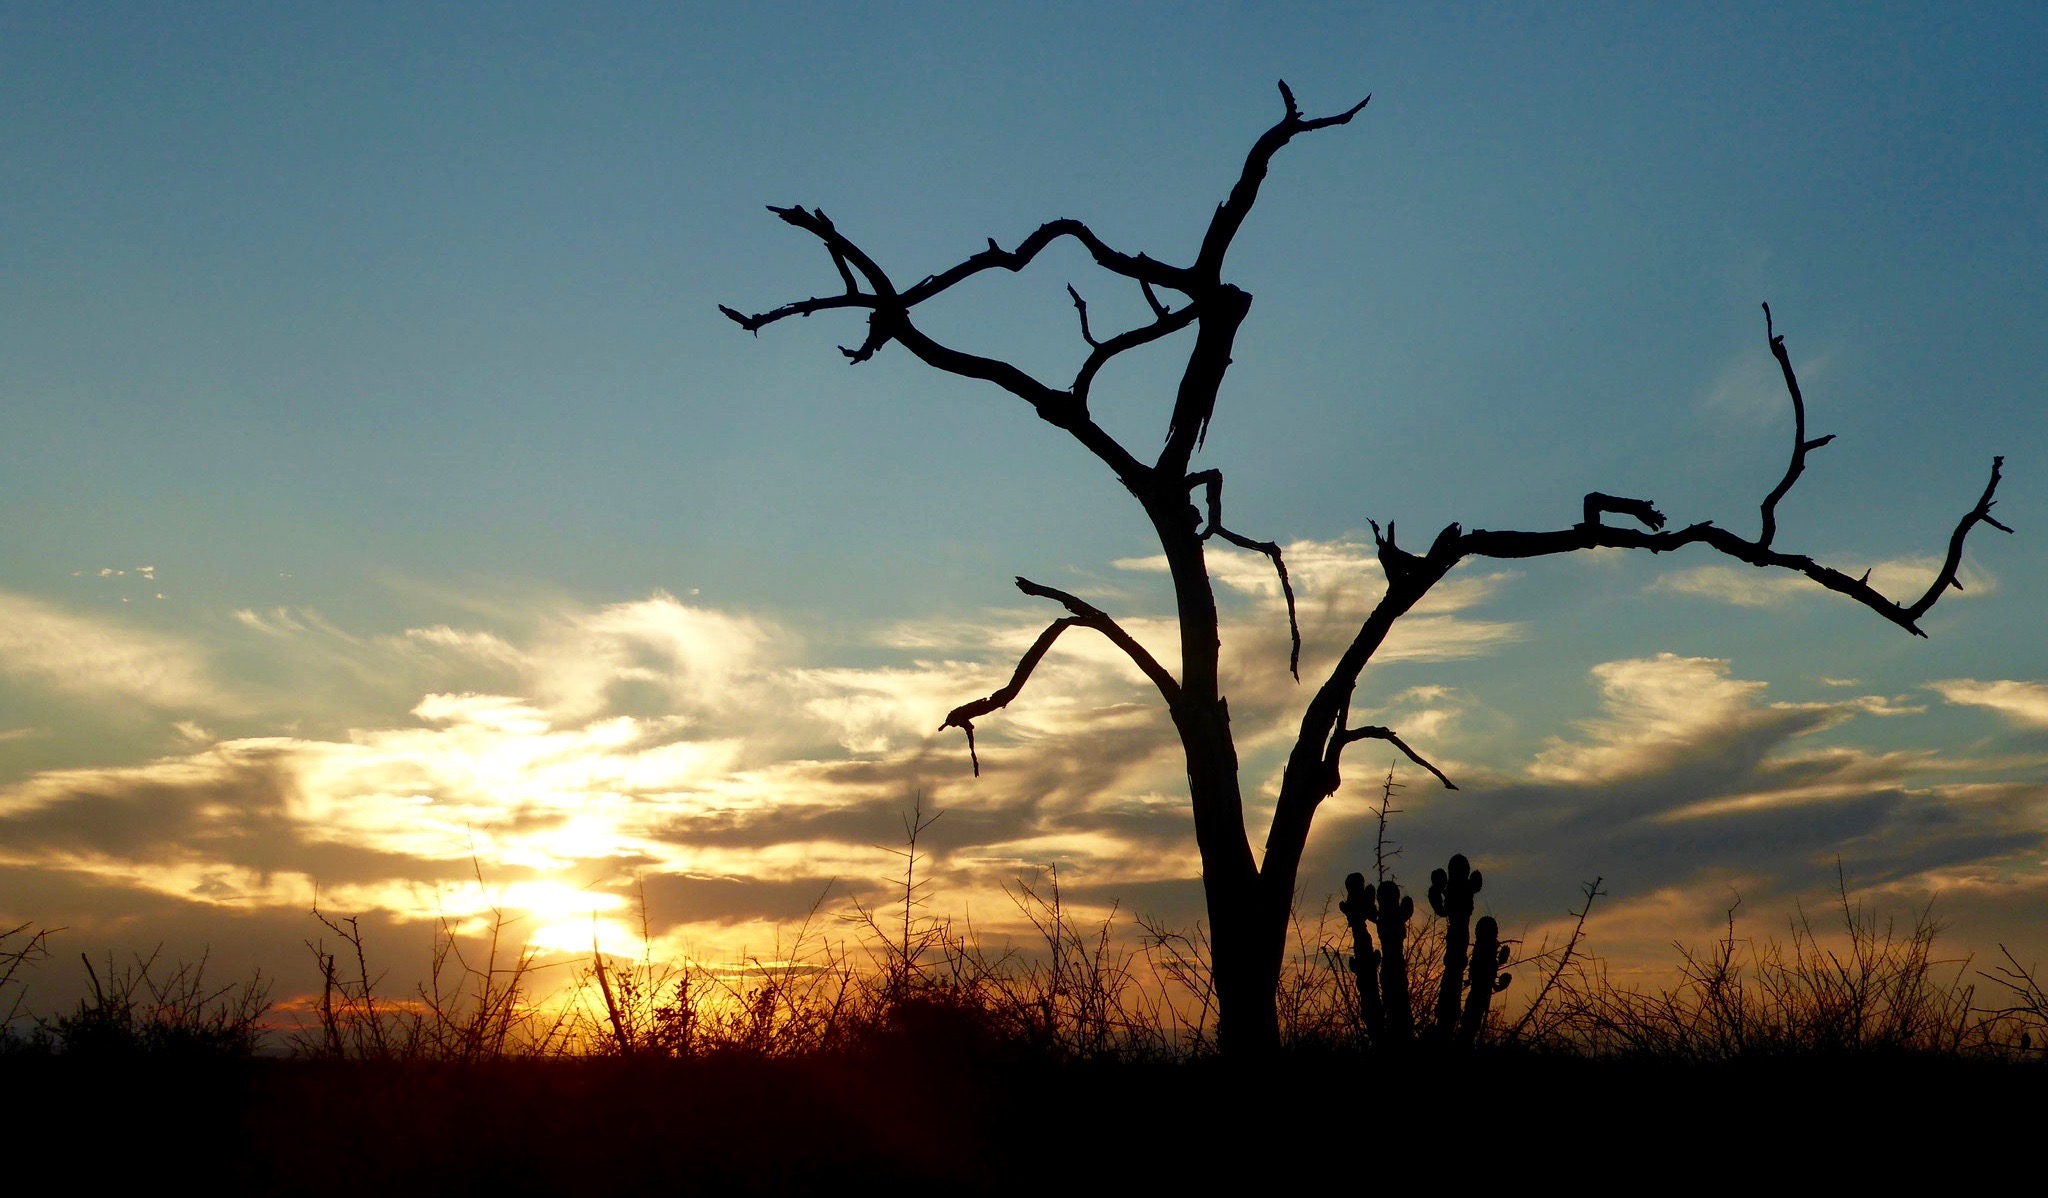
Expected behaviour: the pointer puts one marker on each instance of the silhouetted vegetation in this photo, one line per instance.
(912, 1052)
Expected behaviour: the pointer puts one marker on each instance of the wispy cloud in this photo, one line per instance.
(97, 658)
(1693, 787)
(2024, 703)
(578, 750)
(1902, 579)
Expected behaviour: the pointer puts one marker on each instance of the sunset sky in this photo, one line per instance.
(386, 501)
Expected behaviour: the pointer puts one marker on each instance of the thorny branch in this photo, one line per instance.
(1592, 891)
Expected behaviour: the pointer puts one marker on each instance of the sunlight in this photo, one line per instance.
(579, 937)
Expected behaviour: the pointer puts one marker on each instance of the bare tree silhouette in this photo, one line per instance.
(1249, 898)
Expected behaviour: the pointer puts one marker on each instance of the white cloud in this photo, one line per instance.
(1742, 586)
(101, 659)
(482, 646)
(2021, 702)
(1657, 708)
(691, 657)
(290, 621)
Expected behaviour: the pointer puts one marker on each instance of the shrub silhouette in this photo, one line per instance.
(148, 1009)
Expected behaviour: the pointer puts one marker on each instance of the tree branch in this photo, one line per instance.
(1094, 617)
(963, 716)
(1516, 544)
(1211, 482)
(1224, 306)
(1152, 298)
(1147, 271)
(1641, 510)
(1800, 445)
(1591, 533)
(1085, 614)
(1168, 324)
(1081, 306)
(1346, 736)
(1230, 214)
(1952, 564)
(889, 320)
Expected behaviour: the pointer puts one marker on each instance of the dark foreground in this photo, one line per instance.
(951, 1123)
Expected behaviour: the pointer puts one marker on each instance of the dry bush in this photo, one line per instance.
(473, 1007)
(146, 1008)
(20, 946)
(2020, 1025)
(1869, 988)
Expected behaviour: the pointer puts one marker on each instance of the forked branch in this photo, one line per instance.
(868, 288)
(1592, 534)
(1231, 212)
(1085, 614)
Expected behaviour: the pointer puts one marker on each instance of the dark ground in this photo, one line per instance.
(954, 1122)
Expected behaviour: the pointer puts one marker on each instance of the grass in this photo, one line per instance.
(1864, 988)
(898, 1049)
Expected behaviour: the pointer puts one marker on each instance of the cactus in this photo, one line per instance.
(1392, 912)
(1357, 906)
(1488, 977)
(1450, 896)
(1474, 966)
(1382, 974)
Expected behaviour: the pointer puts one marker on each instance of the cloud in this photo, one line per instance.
(1902, 579)
(1692, 781)
(2024, 703)
(626, 655)
(574, 752)
(100, 659)
(1660, 710)
(1727, 584)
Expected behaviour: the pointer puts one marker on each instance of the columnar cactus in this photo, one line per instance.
(1383, 973)
(1450, 896)
(1474, 958)
(1488, 977)
(1392, 910)
(1358, 909)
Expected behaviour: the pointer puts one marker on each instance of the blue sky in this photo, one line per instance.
(387, 339)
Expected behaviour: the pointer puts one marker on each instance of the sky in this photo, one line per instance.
(394, 525)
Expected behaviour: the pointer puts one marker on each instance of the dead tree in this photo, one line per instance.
(1249, 897)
